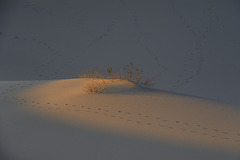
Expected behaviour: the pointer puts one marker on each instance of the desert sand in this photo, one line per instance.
(126, 108)
(190, 49)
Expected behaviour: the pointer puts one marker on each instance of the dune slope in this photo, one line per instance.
(124, 108)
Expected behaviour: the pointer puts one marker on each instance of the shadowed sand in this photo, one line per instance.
(124, 108)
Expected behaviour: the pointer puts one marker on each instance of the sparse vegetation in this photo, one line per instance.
(95, 85)
(92, 74)
(96, 80)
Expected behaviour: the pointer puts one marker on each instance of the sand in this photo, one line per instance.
(190, 50)
(125, 108)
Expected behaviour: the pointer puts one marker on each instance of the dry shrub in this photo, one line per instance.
(94, 74)
(131, 72)
(147, 82)
(95, 85)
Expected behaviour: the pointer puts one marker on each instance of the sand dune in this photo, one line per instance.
(189, 48)
(124, 108)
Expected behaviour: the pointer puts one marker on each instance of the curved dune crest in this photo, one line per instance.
(124, 108)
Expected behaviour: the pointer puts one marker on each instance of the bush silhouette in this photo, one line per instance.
(96, 80)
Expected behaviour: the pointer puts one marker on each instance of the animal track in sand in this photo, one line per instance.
(74, 59)
(123, 115)
(140, 38)
(191, 70)
(38, 68)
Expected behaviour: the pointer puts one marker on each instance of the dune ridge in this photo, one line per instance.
(124, 108)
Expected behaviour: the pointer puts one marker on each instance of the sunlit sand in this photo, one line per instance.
(186, 53)
(126, 109)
